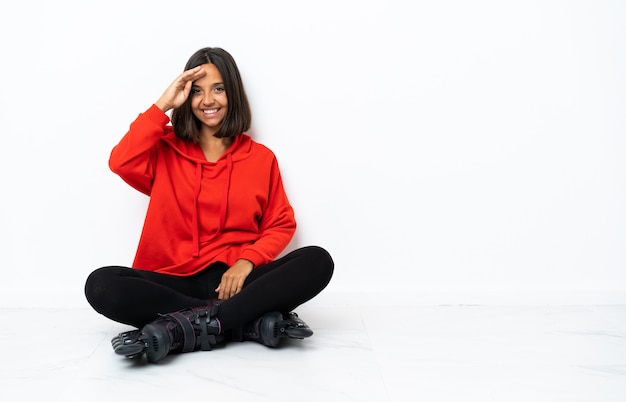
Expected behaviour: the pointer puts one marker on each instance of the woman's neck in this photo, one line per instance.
(213, 147)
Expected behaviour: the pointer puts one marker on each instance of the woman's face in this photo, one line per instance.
(209, 102)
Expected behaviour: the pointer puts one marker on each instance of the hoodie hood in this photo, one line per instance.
(238, 150)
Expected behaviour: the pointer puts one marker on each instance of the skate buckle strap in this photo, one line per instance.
(202, 319)
(189, 334)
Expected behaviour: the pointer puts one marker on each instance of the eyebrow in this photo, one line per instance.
(213, 85)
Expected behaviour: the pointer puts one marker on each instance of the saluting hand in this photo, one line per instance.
(178, 91)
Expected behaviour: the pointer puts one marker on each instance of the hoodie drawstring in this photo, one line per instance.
(194, 224)
(195, 230)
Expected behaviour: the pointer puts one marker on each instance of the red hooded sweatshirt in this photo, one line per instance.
(202, 212)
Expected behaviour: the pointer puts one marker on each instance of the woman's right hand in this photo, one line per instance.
(178, 92)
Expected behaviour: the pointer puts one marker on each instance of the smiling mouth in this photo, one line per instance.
(210, 112)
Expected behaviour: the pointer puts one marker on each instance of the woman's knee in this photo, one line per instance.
(98, 286)
(320, 260)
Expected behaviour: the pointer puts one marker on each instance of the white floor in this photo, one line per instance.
(403, 353)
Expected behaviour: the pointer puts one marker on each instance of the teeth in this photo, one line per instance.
(210, 111)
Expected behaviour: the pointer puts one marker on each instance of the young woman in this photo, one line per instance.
(206, 268)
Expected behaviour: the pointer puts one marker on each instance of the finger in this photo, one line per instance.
(239, 285)
(221, 294)
(187, 88)
(193, 74)
(236, 287)
(217, 290)
(186, 78)
(226, 288)
(234, 290)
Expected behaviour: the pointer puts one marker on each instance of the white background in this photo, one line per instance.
(464, 151)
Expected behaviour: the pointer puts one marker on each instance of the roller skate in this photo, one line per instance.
(274, 326)
(180, 332)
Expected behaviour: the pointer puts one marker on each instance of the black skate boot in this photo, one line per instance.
(183, 331)
(272, 327)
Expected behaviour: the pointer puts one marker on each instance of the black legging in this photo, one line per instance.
(137, 297)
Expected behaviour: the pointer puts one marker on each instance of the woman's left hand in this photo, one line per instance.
(233, 279)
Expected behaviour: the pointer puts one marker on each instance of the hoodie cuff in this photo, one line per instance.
(156, 115)
(253, 257)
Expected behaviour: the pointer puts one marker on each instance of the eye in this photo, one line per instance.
(195, 90)
(219, 90)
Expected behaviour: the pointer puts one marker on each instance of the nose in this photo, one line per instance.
(207, 99)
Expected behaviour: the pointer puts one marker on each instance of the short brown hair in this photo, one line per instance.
(238, 114)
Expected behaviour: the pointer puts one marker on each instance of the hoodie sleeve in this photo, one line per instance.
(133, 157)
(277, 226)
